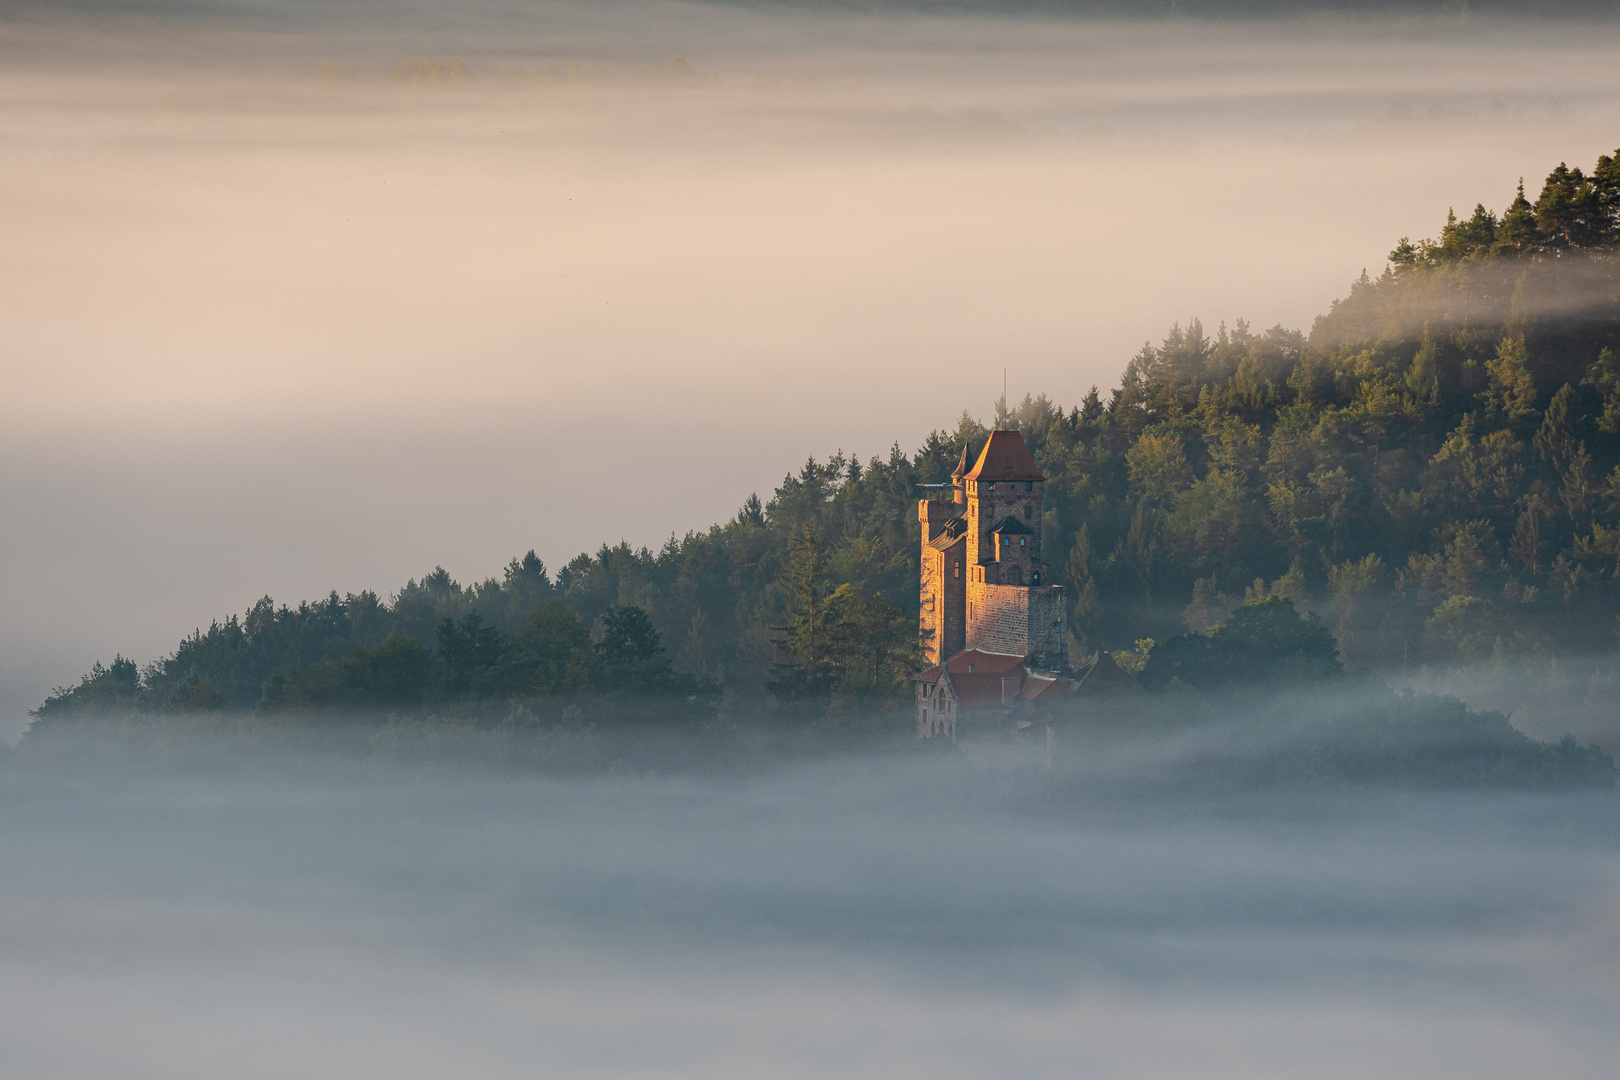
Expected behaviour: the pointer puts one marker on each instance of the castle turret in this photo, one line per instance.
(957, 482)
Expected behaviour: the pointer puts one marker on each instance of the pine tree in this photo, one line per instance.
(1511, 391)
(808, 636)
(1423, 377)
(1517, 233)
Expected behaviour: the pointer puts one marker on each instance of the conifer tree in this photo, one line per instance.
(1511, 391)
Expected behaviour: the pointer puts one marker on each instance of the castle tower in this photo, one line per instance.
(990, 535)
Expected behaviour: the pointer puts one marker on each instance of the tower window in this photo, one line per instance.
(1020, 541)
(956, 569)
(1029, 485)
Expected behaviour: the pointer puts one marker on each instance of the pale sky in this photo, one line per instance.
(291, 304)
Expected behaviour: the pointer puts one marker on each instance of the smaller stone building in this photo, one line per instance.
(983, 697)
(977, 695)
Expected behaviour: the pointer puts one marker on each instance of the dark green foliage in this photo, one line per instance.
(1264, 644)
(106, 689)
(632, 657)
(840, 640)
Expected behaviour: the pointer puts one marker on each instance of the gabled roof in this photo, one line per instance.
(1004, 457)
(980, 687)
(1104, 672)
(1010, 524)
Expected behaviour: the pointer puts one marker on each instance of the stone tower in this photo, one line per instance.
(983, 581)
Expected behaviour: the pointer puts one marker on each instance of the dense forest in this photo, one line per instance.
(1433, 471)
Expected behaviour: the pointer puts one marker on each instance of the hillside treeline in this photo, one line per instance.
(1434, 470)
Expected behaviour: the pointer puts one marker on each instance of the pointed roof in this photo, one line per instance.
(1012, 525)
(1104, 672)
(1004, 457)
(961, 466)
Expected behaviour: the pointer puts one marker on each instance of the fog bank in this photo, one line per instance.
(842, 917)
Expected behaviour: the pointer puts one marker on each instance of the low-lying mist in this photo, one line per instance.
(293, 914)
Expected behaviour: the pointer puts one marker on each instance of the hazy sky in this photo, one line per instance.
(297, 298)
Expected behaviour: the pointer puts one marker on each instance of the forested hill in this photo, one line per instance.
(1434, 469)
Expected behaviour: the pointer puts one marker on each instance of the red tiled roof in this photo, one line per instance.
(983, 662)
(1004, 457)
(981, 690)
(1041, 688)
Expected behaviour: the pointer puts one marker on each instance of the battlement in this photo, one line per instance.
(934, 515)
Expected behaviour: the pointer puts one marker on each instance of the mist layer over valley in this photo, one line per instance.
(300, 918)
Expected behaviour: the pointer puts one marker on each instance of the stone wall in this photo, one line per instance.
(1019, 621)
(942, 602)
(1048, 627)
(987, 504)
(998, 619)
(931, 605)
(935, 514)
